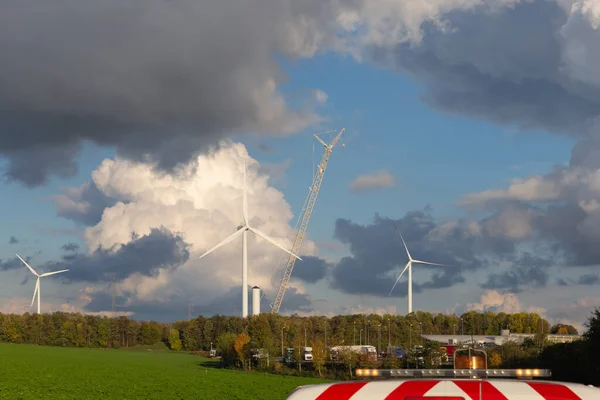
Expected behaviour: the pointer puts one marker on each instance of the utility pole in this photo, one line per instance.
(379, 344)
(389, 334)
(354, 334)
(305, 342)
(282, 355)
(113, 292)
(109, 342)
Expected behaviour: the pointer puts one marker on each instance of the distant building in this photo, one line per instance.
(505, 336)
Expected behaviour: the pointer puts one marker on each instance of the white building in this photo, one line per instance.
(505, 336)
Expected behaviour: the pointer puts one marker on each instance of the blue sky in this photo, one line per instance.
(435, 157)
(495, 111)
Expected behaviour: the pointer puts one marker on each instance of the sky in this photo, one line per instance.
(472, 125)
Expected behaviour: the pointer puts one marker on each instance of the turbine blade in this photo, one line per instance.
(52, 273)
(37, 285)
(268, 239)
(28, 266)
(227, 240)
(399, 276)
(403, 242)
(430, 263)
(245, 198)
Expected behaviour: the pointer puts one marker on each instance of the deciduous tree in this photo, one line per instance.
(174, 340)
(240, 347)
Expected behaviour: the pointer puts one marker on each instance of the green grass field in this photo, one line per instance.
(36, 372)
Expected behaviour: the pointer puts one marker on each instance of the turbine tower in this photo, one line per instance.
(409, 267)
(242, 230)
(37, 283)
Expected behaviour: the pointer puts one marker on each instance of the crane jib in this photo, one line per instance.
(307, 212)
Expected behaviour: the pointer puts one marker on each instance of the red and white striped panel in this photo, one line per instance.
(432, 389)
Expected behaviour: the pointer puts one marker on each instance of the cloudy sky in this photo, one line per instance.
(473, 125)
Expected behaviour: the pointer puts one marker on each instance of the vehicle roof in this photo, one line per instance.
(469, 389)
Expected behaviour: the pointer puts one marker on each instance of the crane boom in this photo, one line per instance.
(310, 204)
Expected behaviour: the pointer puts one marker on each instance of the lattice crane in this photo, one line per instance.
(307, 212)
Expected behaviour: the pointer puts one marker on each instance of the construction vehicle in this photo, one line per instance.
(311, 200)
(461, 383)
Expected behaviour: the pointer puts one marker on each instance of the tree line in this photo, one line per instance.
(236, 337)
(77, 330)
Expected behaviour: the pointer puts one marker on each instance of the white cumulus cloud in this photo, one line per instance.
(202, 202)
(375, 180)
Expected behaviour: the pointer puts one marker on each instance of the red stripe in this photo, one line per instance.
(551, 391)
(433, 398)
(488, 391)
(411, 388)
(341, 391)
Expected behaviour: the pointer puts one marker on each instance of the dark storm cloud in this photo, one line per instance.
(84, 204)
(585, 279)
(562, 282)
(553, 213)
(145, 255)
(531, 65)
(32, 164)
(311, 269)
(13, 240)
(177, 307)
(378, 255)
(561, 224)
(514, 280)
(70, 247)
(231, 303)
(504, 66)
(13, 263)
(159, 80)
(589, 279)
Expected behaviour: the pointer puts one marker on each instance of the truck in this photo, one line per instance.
(308, 355)
(394, 351)
(368, 352)
(289, 357)
(461, 383)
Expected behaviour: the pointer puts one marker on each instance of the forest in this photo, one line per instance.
(235, 337)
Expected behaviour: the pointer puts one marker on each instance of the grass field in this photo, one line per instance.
(36, 372)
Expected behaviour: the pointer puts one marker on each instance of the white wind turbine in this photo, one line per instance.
(409, 267)
(37, 283)
(242, 229)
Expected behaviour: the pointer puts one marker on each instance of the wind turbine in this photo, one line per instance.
(37, 283)
(242, 230)
(409, 267)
